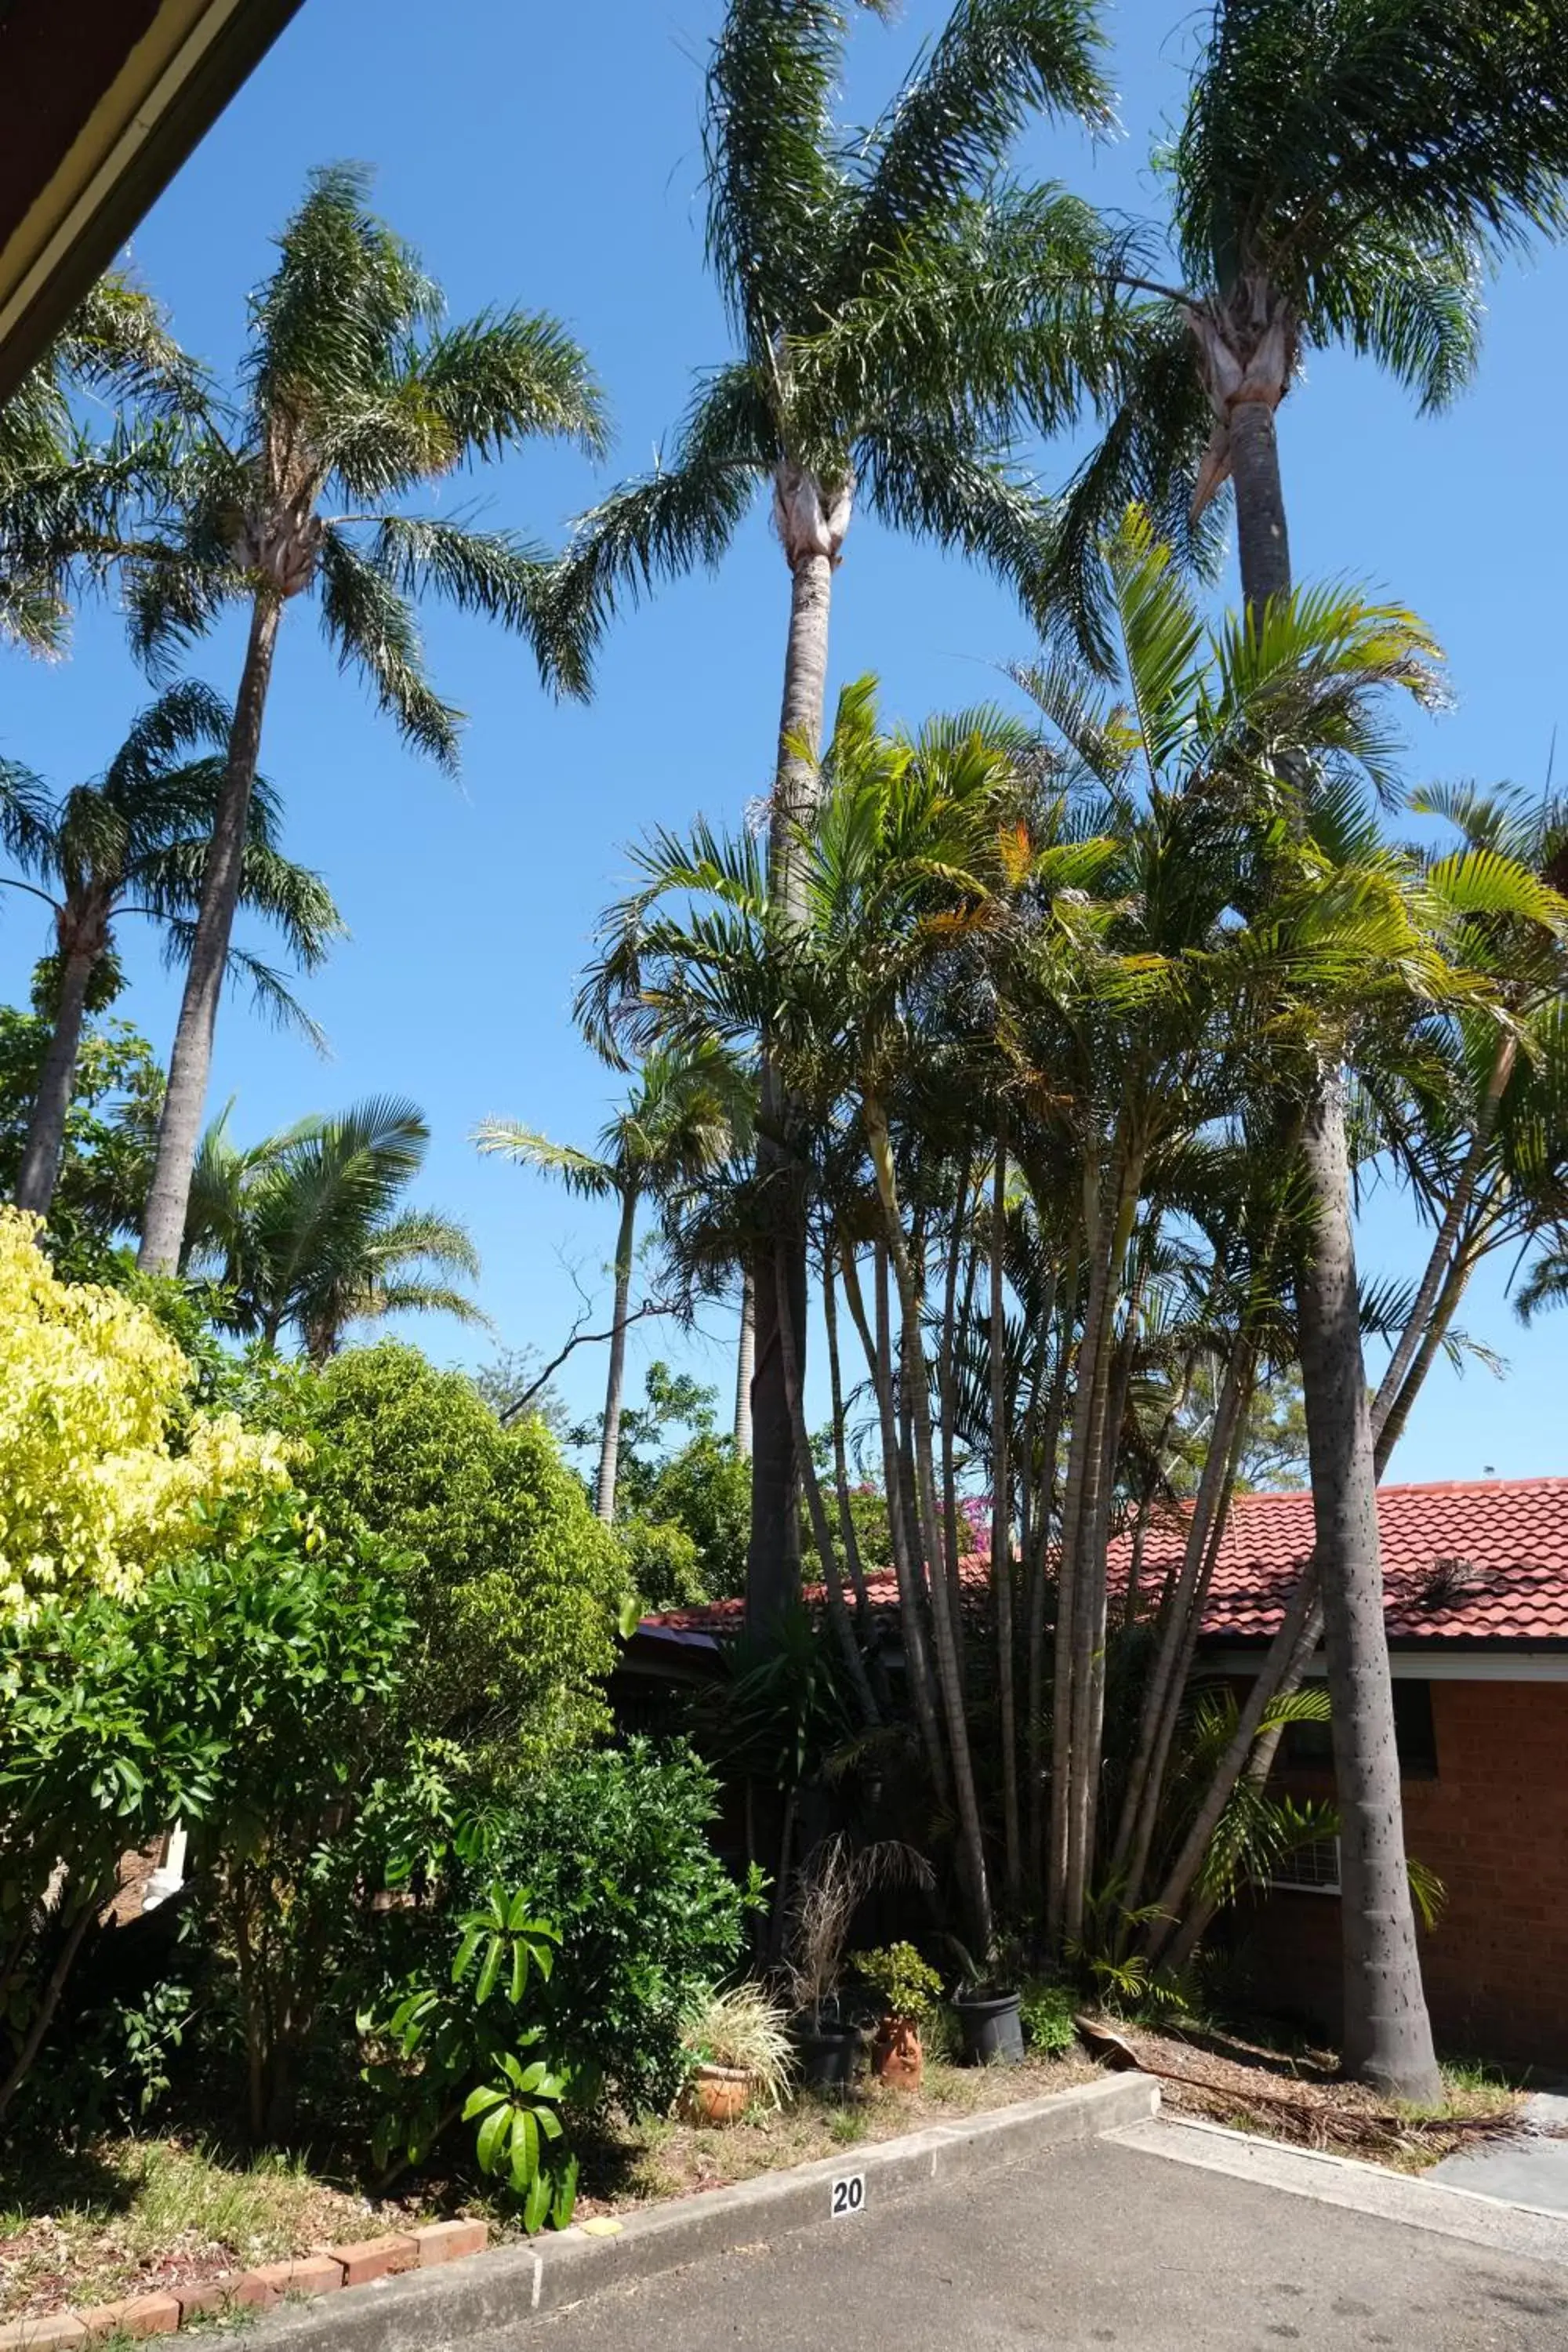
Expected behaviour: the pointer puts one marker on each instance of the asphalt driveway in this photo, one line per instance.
(1098, 2244)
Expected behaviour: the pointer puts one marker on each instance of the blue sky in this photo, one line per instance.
(552, 158)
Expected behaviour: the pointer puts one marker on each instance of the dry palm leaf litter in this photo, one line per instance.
(1299, 2097)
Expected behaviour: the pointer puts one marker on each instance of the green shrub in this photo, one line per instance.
(513, 1584)
(613, 1845)
(1046, 2010)
(238, 1693)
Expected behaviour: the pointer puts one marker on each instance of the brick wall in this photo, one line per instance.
(1493, 1824)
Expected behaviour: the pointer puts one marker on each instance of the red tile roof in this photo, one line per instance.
(1466, 1562)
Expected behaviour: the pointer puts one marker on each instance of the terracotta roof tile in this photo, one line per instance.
(1481, 1560)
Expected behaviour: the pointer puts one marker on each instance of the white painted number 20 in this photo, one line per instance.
(848, 2195)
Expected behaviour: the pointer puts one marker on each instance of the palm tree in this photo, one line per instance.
(134, 842)
(72, 506)
(897, 310)
(894, 854)
(304, 1230)
(684, 1115)
(354, 393)
(1339, 177)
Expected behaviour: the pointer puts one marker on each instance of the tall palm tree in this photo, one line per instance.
(1341, 176)
(134, 843)
(685, 1113)
(354, 396)
(304, 1230)
(898, 310)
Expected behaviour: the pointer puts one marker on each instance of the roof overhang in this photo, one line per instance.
(100, 102)
(1453, 1660)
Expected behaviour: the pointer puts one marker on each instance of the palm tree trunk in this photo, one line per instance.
(1388, 1431)
(1174, 1938)
(1231, 1443)
(1437, 1264)
(947, 1402)
(911, 1606)
(1163, 1690)
(1283, 1670)
(971, 1843)
(40, 1168)
(847, 1536)
(615, 1386)
(1002, 1529)
(772, 1556)
(849, 1648)
(1262, 540)
(1064, 1642)
(190, 1064)
(1050, 1439)
(1388, 2034)
(745, 1360)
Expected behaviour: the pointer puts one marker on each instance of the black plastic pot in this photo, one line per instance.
(829, 2054)
(991, 2027)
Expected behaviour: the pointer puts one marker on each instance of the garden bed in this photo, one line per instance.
(645, 2163)
(138, 2216)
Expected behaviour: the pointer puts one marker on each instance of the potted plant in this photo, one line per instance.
(987, 2003)
(908, 1990)
(831, 1886)
(739, 2047)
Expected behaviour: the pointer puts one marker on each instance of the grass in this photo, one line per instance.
(643, 2162)
(130, 2216)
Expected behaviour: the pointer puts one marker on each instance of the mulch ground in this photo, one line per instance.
(1300, 2096)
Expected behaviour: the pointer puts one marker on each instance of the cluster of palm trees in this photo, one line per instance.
(353, 391)
(1051, 1048)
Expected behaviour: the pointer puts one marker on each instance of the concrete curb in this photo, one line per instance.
(1410, 2199)
(424, 2309)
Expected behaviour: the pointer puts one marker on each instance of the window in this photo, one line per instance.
(1308, 1746)
(1312, 1869)
(1413, 1730)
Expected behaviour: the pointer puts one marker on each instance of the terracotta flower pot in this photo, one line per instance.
(717, 2095)
(896, 2056)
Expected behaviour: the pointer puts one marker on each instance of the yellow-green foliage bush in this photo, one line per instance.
(101, 1466)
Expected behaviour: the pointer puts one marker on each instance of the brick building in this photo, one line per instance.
(1477, 1609)
(1476, 1578)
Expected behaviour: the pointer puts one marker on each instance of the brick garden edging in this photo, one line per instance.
(140, 2316)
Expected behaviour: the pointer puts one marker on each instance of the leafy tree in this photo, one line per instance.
(682, 1117)
(510, 1384)
(304, 1229)
(134, 843)
(514, 1587)
(1271, 1457)
(106, 1155)
(353, 396)
(897, 306)
(686, 1507)
(102, 1468)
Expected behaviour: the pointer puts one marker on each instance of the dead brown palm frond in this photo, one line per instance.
(830, 1885)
